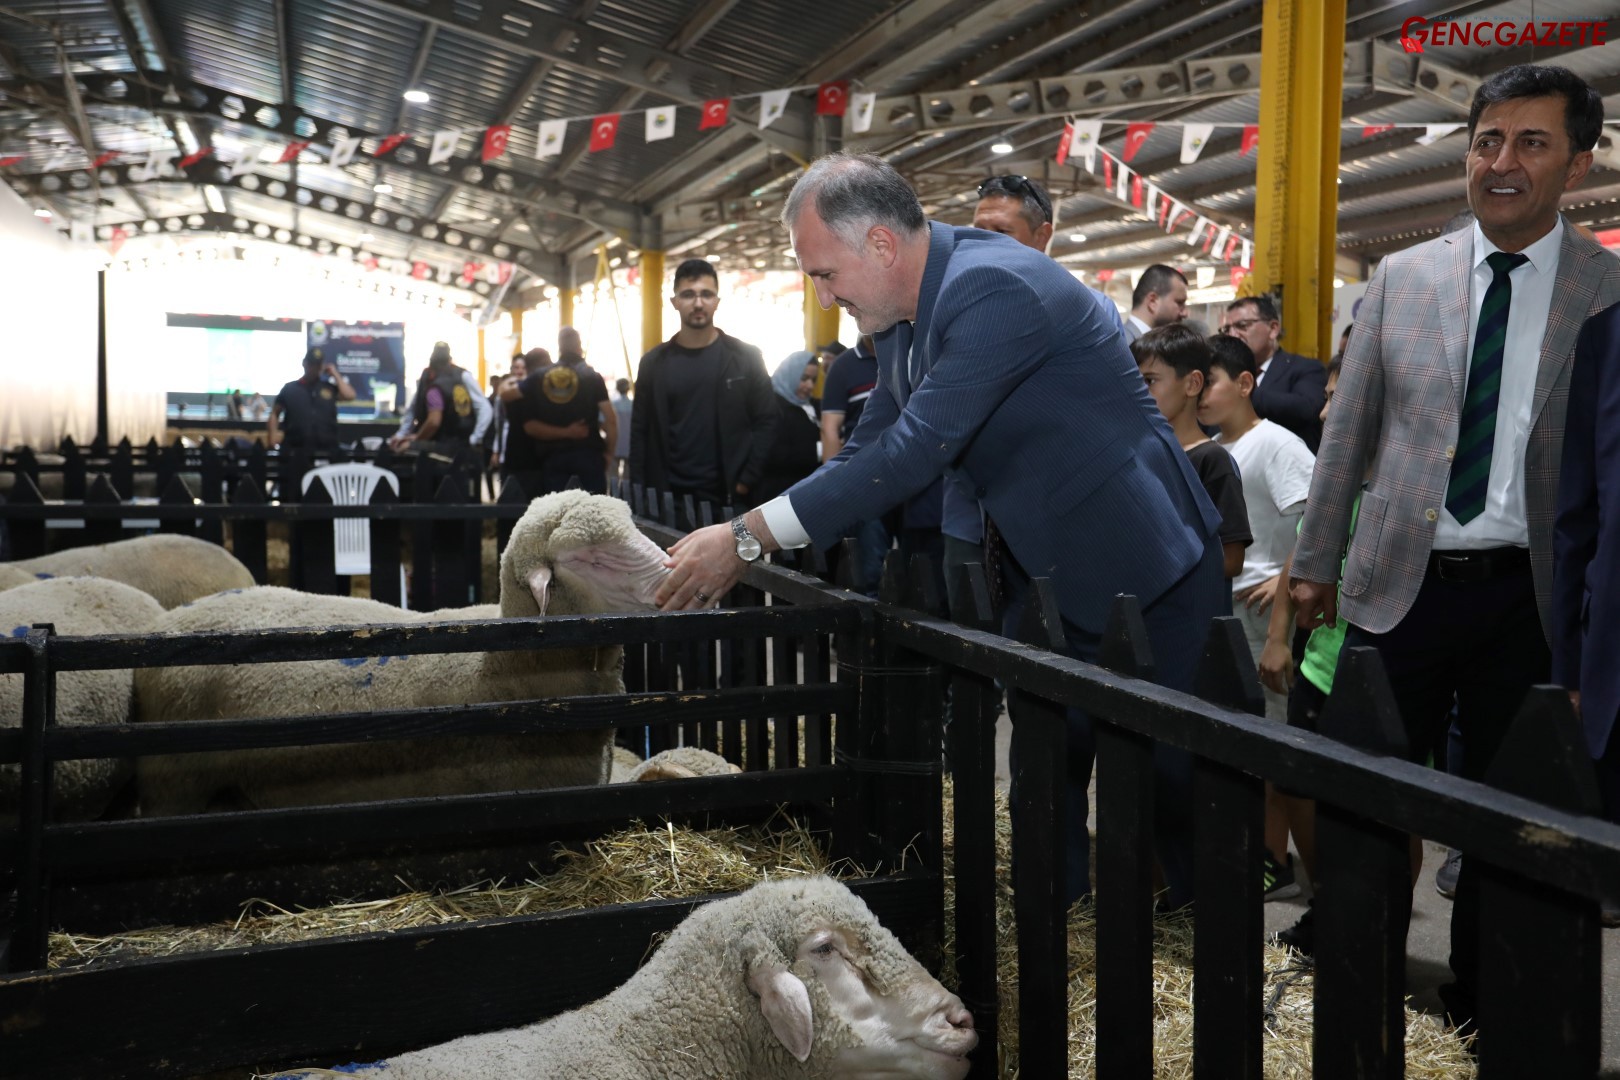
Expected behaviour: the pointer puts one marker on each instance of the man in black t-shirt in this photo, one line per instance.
(567, 416)
(304, 416)
(703, 416)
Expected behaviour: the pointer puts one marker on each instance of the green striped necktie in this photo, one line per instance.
(1471, 467)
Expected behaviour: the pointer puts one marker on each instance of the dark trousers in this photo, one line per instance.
(1177, 624)
(1481, 644)
(585, 465)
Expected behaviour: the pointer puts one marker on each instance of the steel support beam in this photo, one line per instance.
(1296, 196)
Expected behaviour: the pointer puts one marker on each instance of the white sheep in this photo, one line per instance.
(174, 569)
(793, 979)
(82, 788)
(571, 553)
(11, 577)
(681, 763)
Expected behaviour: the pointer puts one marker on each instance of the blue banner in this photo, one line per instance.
(370, 354)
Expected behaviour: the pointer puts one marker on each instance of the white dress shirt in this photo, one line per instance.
(1503, 522)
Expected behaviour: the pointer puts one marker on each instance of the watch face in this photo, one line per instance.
(748, 549)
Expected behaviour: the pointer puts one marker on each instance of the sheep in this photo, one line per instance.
(793, 979)
(11, 577)
(82, 788)
(680, 763)
(570, 553)
(174, 569)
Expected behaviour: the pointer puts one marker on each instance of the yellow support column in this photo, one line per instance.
(1296, 190)
(517, 330)
(652, 300)
(820, 326)
(565, 306)
(483, 368)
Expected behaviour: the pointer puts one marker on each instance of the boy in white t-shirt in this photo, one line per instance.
(1275, 465)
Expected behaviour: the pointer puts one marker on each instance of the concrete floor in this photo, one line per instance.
(1428, 942)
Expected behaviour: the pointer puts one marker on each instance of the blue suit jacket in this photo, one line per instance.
(1015, 378)
(1586, 534)
(1291, 394)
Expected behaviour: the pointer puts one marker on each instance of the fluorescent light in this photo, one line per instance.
(383, 189)
(366, 238)
(1001, 148)
(42, 213)
(1078, 238)
(212, 197)
(1338, 283)
(416, 97)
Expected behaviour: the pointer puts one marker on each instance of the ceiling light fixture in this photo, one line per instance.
(1001, 148)
(416, 97)
(42, 213)
(1078, 238)
(383, 189)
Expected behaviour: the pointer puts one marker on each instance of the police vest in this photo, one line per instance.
(312, 415)
(457, 421)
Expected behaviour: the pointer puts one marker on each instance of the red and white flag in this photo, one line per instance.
(1236, 275)
(292, 151)
(496, 137)
(1135, 136)
(1209, 237)
(604, 130)
(420, 270)
(1251, 138)
(10, 159)
(716, 112)
(1108, 172)
(1370, 130)
(115, 241)
(469, 270)
(1136, 190)
(195, 156)
(1435, 132)
(1231, 247)
(1063, 144)
(389, 144)
(370, 262)
(832, 98)
(501, 272)
(104, 158)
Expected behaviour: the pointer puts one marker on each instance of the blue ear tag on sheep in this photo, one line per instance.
(21, 631)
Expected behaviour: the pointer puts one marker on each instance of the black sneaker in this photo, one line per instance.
(1301, 937)
(1278, 879)
(1445, 878)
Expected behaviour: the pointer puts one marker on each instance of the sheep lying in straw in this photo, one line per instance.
(82, 788)
(570, 554)
(791, 979)
(679, 763)
(11, 577)
(174, 570)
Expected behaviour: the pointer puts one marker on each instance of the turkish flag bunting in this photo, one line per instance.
(495, 138)
(1105, 275)
(369, 262)
(1251, 138)
(116, 240)
(604, 129)
(293, 150)
(469, 270)
(1108, 172)
(715, 114)
(1376, 129)
(503, 273)
(1063, 144)
(1236, 275)
(392, 142)
(832, 98)
(419, 270)
(104, 158)
(12, 160)
(197, 155)
(1209, 238)
(1183, 216)
(1231, 245)
(1164, 213)
(1135, 136)
(1136, 191)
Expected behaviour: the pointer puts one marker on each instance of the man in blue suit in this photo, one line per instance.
(1586, 548)
(998, 367)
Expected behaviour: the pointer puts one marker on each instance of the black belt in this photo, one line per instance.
(1482, 565)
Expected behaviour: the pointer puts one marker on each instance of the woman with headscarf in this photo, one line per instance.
(795, 453)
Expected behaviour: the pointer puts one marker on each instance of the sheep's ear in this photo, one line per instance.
(786, 1005)
(540, 586)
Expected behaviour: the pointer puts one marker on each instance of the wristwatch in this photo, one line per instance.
(749, 548)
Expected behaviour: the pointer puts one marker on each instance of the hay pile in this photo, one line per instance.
(635, 864)
(665, 862)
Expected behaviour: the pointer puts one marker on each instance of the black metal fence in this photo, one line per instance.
(861, 683)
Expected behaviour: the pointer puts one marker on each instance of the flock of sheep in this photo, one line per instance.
(790, 979)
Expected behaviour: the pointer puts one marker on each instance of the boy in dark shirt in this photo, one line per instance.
(1174, 360)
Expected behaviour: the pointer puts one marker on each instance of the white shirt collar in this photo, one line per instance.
(1139, 324)
(1543, 254)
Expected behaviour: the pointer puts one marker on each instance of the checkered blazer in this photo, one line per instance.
(1399, 403)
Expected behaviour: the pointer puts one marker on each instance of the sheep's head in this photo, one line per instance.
(831, 980)
(574, 553)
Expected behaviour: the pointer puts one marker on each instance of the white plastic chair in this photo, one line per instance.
(351, 483)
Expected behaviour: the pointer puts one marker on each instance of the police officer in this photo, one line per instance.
(567, 413)
(448, 411)
(309, 407)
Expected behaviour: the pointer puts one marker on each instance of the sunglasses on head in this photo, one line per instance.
(1016, 185)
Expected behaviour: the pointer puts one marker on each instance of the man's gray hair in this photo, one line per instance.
(852, 193)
